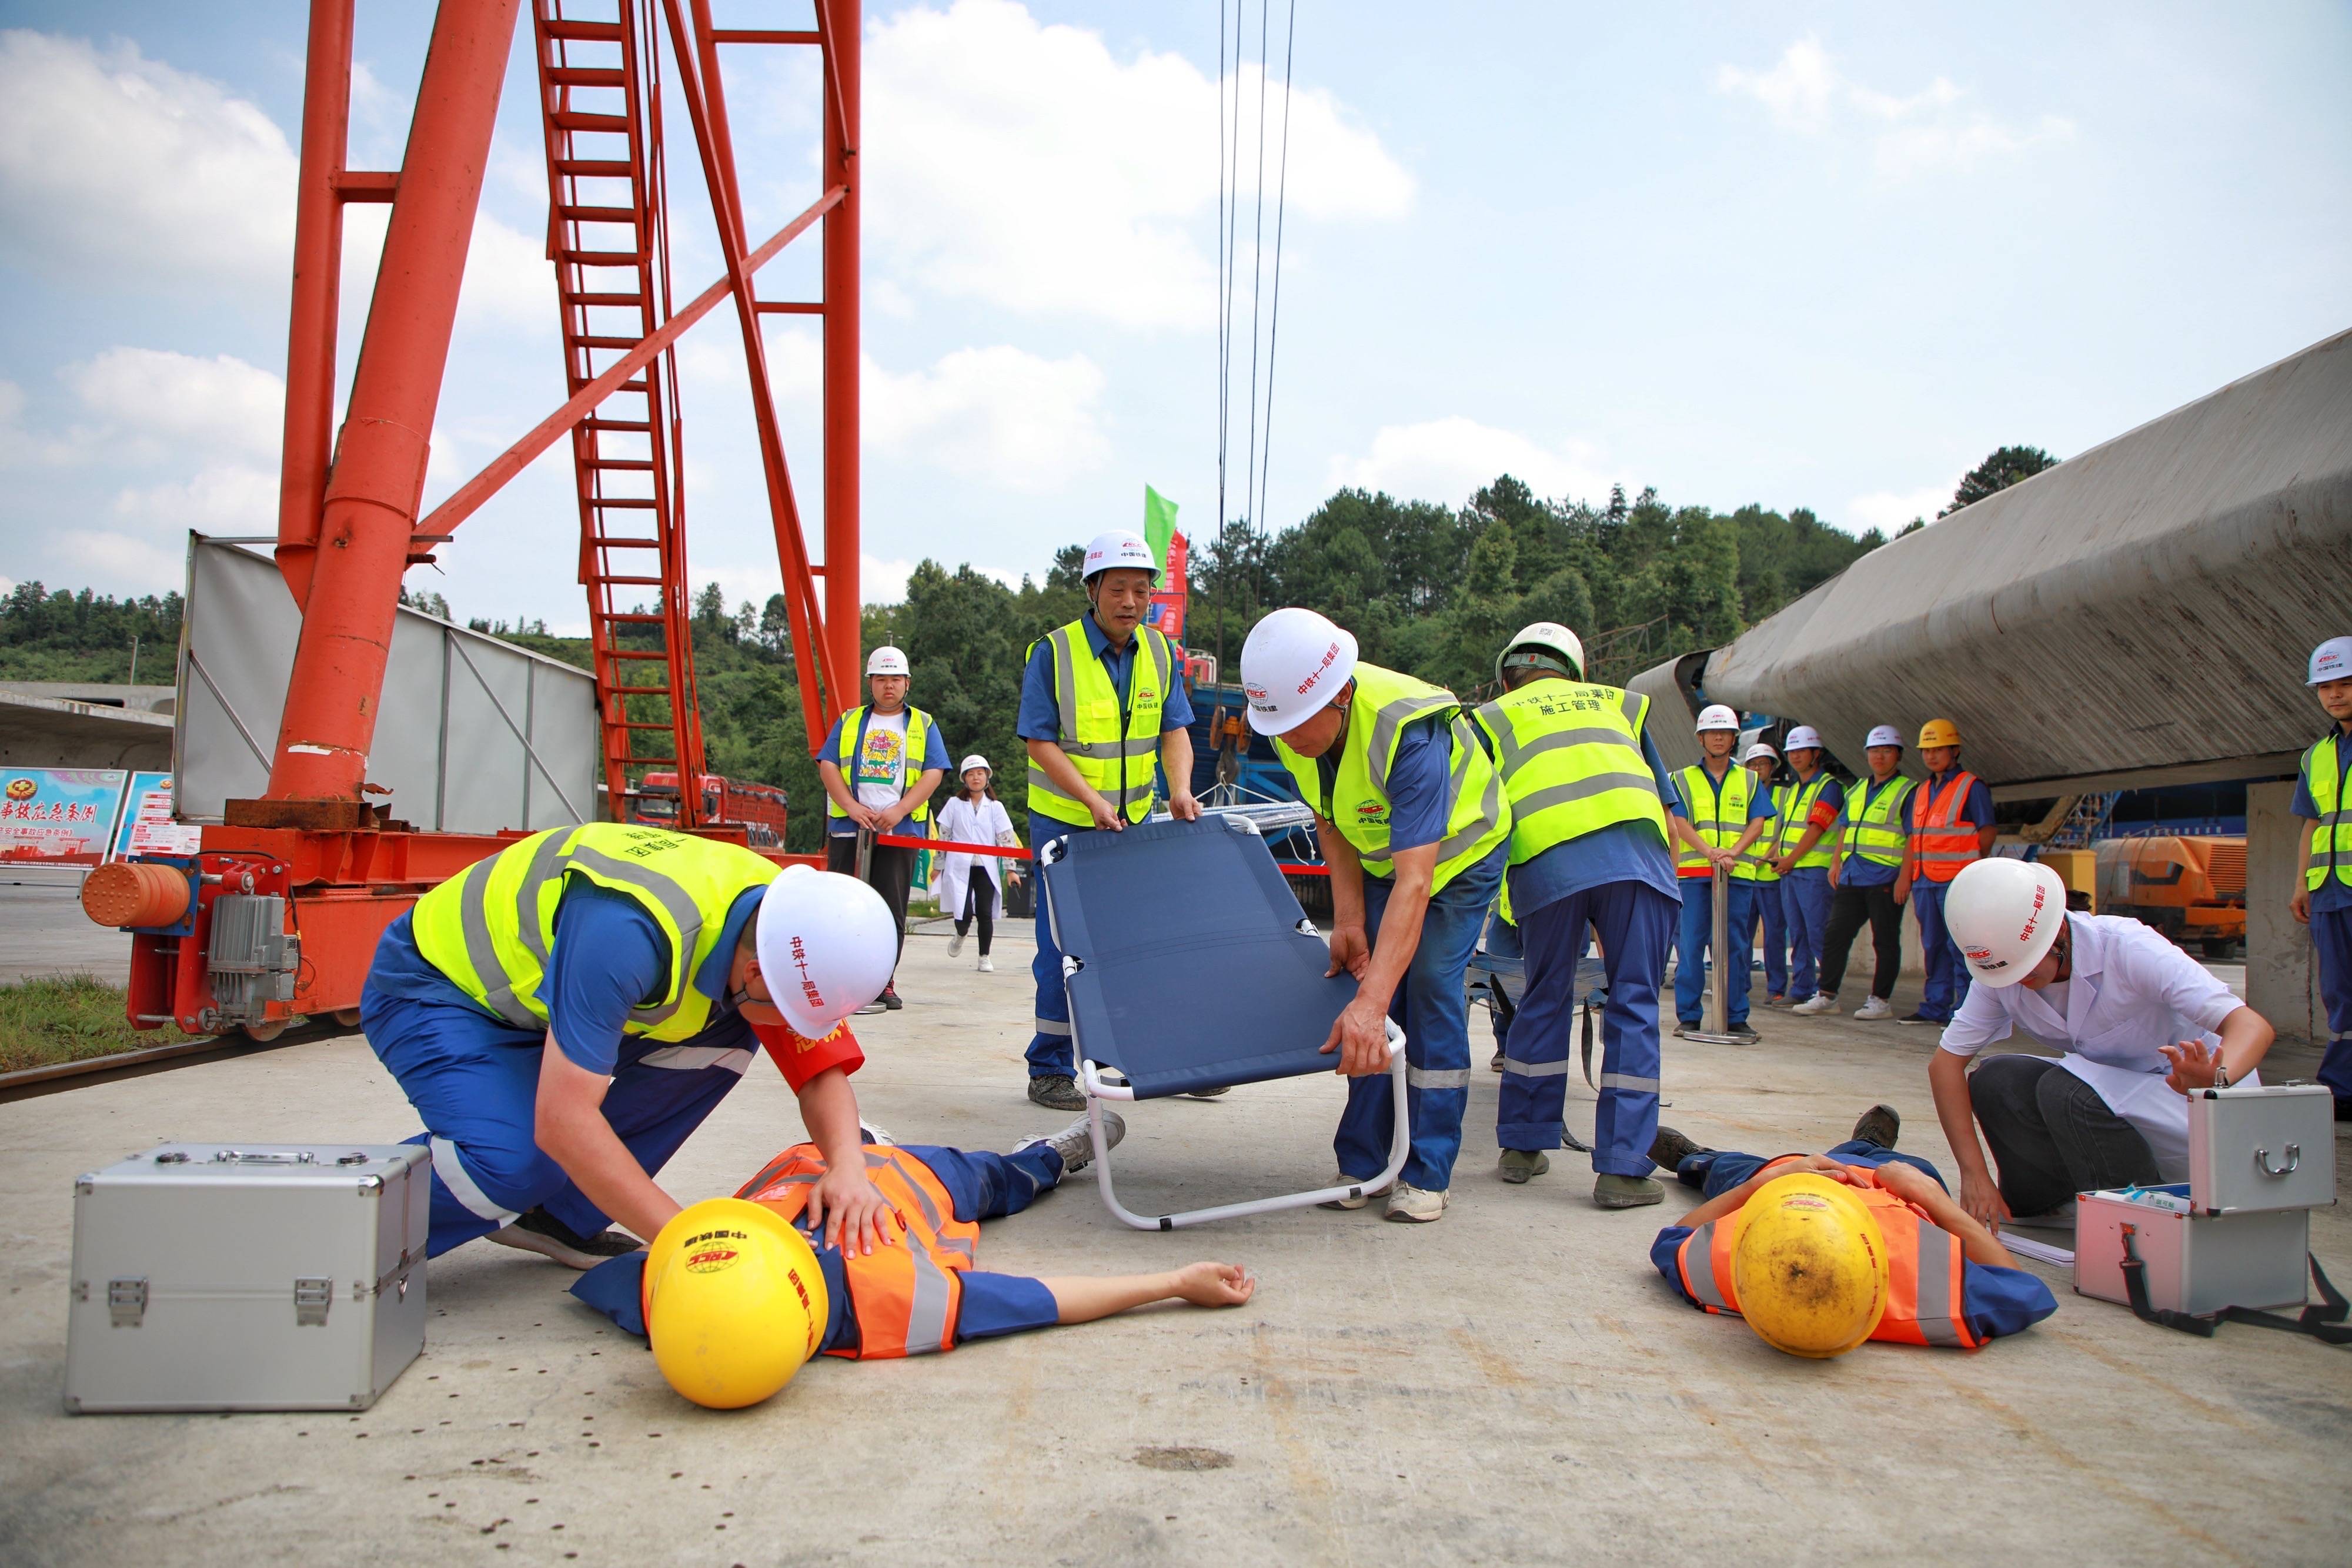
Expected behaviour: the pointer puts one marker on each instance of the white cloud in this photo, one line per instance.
(1445, 460)
(143, 563)
(1028, 166)
(1923, 132)
(219, 498)
(153, 397)
(1890, 510)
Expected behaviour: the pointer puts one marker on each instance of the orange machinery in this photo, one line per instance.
(2191, 887)
(759, 810)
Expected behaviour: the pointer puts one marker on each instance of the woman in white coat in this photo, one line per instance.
(2142, 1023)
(975, 816)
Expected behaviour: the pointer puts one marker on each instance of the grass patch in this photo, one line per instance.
(68, 1017)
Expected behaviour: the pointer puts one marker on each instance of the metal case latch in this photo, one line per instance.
(126, 1302)
(311, 1301)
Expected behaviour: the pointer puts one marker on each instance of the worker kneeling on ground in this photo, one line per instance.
(1820, 1252)
(737, 1297)
(1414, 826)
(2143, 1023)
(563, 1014)
(1588, 798)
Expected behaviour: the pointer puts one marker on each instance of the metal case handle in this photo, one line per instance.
(2294, 1159)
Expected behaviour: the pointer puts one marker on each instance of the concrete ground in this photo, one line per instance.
(1513, 1384)
(44, 932)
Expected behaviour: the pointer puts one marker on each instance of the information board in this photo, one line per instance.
(58, 816)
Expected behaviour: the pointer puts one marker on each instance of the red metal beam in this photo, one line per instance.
(843, 613)
(311, 316)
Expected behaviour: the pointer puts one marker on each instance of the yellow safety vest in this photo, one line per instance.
(1569, 757)
(1875, 826)
(2331, 836)
(1726, 814)
(1383, 704)
(1795, 803)
(1111, 745)
(491, 928)
(853, 737)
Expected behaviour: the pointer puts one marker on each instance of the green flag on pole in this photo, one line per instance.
(1159, 524)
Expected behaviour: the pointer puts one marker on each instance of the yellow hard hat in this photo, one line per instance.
(734, 1302)
(1939, 732)
(1810, 1267)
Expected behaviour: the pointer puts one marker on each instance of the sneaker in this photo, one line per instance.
(1775, 1001)
(1057, 1092)
(1625, 1192)
(1880, 1124)
(1075, 1143)
(868, 1133)
(1415, 1205)
(1817, 1004)
(1342, 1178)
(1872, 1010)
(955, 944)
(877, 1006)
(987, 964)
(1207, 1093)
(1670, 1148)
(1741, 1031)
(1921, 1017)
(890, 999)
(1516, 1165)
(1497, 1064)
(540, 1233)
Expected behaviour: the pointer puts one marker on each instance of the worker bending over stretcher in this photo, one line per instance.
(1944, 1278)
(1413, 825)
(2143, 1025)
(733, 1311)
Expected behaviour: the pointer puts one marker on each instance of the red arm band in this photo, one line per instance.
(801, 1059)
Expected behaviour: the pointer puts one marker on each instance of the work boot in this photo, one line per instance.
(1207, 1093)
(1741, 1031)
(1880, 1124)
(1058, 1091)
(540, 1233)
(1343, 1179)
(1625, 1192)
(1412, 1205)
(1517, 1165)
(1817, 1004)
(1874, 1009)
(1075, 1143)
(1497, 1064)
(890, 999)
(1670, 1148)
(955, 944)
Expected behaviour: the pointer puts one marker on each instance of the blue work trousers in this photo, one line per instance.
(985, 1185)
(474, 1082)
(1050, 1054)
(1635, 923)
(1948, 972)
(1767, 911)
(1805, 909)
(1716, 1171)
(1690, 949)
(1502, 941)
(2331, 934)
(1433, 1009)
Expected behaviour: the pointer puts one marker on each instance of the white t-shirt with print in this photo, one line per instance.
(879, 769)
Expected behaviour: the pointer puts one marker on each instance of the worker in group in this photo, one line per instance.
(738, 1294)
(1414, 828)
(1951, 827)
(1588, 850)
(1805, 811)
(1948, 1279)
(2143, 1025)
(2323, 895)
(879, 765)
(1101, 698)
(1867, 879)
(1760, 867)
(563, 1014)
(1721, 816)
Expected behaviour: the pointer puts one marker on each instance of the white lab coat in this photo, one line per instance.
(959, 821)
(2130, 992)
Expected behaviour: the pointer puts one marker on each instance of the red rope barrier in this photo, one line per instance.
(949, 846)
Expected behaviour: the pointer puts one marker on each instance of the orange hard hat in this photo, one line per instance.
(1939, 732)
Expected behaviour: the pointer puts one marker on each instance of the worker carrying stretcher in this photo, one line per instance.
(736, 1299)
(565, 1013)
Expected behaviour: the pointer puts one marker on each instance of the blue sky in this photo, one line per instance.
(1822, 256)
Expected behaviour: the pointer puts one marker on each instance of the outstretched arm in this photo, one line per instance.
(1081, 1299)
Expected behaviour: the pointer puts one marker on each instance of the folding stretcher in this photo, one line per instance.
(1189, 966)
(1501, 979)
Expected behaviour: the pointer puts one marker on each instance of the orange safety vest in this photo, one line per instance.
(1942, 839)
(1924, 1262)
(907, 1296)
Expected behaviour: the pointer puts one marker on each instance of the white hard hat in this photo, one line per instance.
(1293, 664)
(887, 661)
(1532, 644)
(2004, 914)
(826, 946)
(974, 760)
(1802, 737)
(1758, 752)
(2331, 660)
(1119, 547)
(1715, 716)
(1884, 734)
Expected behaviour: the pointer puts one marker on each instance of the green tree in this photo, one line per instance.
(2006, 467)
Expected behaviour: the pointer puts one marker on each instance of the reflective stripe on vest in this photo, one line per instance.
(2331, 835)
(1726, 812)
(1874, 822)
(907, 1297)
(853, 741)
(1112, 745)
(1569, 759)
(491, 929)
(1358, 802)
(1925, 1268)
(1942, 839)
(1794, 803)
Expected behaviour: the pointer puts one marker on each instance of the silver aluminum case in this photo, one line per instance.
(2195, 1262)
(2270, 1148)
(228, 1276)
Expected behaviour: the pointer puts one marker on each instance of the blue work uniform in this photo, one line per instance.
(1948, 972)
(474, 1078)
(1050, 1055)
(2331, 935)
(1619, 882)
(1697, 921)
(935, 755)
(1804, 896)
